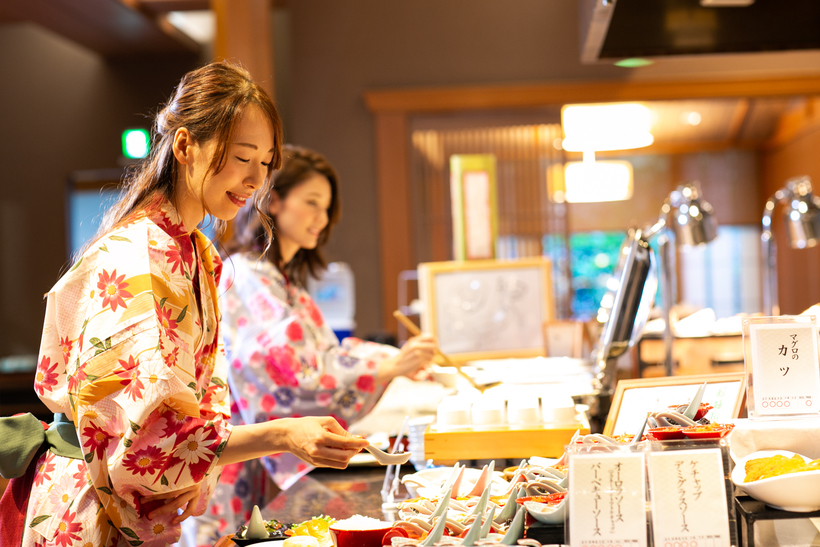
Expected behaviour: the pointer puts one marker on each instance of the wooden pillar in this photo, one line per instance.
(243, 35)
(395, 231)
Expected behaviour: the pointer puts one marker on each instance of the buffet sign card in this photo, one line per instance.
(782, 371)
(689, 498)
(607, 499)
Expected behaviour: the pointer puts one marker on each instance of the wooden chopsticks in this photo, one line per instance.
(414, 330)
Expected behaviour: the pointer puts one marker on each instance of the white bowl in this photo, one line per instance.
(798, 492)
(548, 514)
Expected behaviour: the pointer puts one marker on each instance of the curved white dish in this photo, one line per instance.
(548, 514)
(431, 480)
(797, 492)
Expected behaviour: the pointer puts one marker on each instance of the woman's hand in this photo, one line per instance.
(321, 441)
(187, 498)
(415, 354)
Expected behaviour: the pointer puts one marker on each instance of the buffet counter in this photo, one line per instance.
(335, 492)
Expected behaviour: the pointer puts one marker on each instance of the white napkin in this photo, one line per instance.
(800, 435)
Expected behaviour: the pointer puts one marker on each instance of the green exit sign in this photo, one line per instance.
(135, 143)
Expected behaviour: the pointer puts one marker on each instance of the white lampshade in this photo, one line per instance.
(590, 181)
(600, 127)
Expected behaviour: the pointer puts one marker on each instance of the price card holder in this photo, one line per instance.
(692, 500)
(607, 499)
(782, 372)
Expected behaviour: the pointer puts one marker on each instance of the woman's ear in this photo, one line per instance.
(182, 146)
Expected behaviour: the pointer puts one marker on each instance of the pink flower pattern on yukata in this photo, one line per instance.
(285, 362)
(149, 414)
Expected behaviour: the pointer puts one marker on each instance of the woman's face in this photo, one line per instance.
(301, 215)
(246, 165)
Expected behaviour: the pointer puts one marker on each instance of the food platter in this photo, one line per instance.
(798, 492)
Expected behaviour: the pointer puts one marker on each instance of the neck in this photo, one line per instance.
(189, 207)
(287, 251)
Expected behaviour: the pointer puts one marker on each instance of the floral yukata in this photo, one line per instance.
(131, 354)
(284, 361)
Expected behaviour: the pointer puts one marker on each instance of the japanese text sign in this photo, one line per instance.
(784, 376)
(689, 498)
(607, 500)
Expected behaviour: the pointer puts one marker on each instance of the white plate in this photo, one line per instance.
(798, 492)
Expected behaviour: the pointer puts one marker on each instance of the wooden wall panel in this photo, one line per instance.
(395, 229)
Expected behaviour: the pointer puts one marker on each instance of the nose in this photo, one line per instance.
(256, 178)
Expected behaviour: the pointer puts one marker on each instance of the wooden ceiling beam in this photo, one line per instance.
(453, 99)
(671, 148)
(159, 7)
(112, 28)
(739, 117)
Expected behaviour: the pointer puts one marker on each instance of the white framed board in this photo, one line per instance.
(487, 309)
(633, 399)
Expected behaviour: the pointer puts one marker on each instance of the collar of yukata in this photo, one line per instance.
(163, 213)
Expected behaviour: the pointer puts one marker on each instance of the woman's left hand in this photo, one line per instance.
(187, 498)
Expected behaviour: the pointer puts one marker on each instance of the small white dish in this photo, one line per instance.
(548, 514)
(796, 492)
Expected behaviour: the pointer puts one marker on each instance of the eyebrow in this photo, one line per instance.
(249, 145)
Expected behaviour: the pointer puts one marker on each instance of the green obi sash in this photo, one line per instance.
(22, 436)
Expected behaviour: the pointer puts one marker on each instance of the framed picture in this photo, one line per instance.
(564, 338)
(474, 208)
(487, 309)
(633, 399)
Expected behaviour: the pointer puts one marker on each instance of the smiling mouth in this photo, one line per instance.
(237, 199)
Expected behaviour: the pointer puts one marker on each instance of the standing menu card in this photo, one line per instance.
(782, 372)
(607, 499)
(689, 498)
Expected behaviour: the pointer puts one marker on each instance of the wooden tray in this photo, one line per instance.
(448, 444)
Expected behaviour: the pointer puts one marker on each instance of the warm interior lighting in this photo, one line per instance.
(589, 181)
(599, 127)
(200, 25)
(690, 118)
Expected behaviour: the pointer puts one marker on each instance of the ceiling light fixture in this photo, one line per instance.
(599, 127)
(593, 181)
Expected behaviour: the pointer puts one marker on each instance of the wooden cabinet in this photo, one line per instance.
(697, 355)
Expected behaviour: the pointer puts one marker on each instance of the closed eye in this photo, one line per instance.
(243, 160)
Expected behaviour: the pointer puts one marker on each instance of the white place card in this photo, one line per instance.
(607, 499)
(688, 492)
(785, 377)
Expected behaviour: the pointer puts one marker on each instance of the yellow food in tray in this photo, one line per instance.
(764, 468)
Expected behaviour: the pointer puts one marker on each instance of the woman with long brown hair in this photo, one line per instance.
(284, 359)
(131, 354)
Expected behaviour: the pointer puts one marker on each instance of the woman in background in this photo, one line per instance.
(130, 351)
(283, 358)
